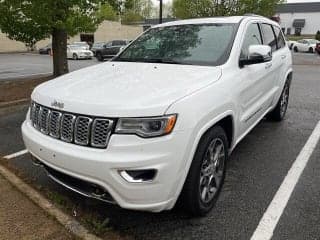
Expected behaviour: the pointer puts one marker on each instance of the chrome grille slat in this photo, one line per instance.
(101, 131)
(67, 127)
(36, 116)
(44, 115)
(82, 130)
(54, 124)
(71, 128)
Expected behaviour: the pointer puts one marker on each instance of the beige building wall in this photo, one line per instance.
(8, 45)
(107, 31)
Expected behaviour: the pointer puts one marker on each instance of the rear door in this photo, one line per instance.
(280, 60)
(270, 36)
(116, 45)
(106, 49)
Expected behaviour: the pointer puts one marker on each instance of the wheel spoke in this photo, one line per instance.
(204, 193)
(211, 174)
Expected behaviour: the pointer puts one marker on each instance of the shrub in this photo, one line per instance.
(318, 35)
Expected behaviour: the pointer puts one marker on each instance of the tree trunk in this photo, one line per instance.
(59, 48)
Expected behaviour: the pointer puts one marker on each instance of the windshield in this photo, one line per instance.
(96, 45)
(77, 48)
(201, 44)
(312, 41)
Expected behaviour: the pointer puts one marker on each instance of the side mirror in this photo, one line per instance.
(257, 54)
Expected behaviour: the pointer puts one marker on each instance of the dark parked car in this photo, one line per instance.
(46, 49)
(97, 46)
(110, 49)
(318, 48)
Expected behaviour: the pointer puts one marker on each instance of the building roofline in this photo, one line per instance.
(298, 7)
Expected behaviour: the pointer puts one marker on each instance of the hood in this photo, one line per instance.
(125, 89)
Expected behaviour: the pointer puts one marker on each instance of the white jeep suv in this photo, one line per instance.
(157, 123)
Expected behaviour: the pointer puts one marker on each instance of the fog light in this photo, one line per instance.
(138, 176)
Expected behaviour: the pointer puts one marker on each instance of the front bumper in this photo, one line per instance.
(82, 56)
(125, 152)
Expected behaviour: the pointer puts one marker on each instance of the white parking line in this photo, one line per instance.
(272, 215)
(17, 154)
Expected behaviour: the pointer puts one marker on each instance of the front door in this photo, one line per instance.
(257, 81)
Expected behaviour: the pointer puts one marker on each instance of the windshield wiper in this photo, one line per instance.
(151, 60)
(164, 60)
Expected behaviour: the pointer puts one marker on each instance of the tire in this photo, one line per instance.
(206, 166)
(311, 50)
(295, 49)
(291, 45)
(48, 51)
(280, 110)
(74, 56)
(99, 56)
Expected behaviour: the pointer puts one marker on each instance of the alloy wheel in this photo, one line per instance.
(284, 100)
(212, 169)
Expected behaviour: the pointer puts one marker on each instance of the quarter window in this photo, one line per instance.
(280, 40)
(252, 37)
(268, 36)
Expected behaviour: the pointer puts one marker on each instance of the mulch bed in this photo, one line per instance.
(19, 89)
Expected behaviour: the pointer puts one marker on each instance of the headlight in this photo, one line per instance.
(147, 127)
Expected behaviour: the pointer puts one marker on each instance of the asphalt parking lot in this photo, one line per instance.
(255, 171)
(13, 66)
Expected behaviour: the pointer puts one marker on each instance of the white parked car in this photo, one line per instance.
(290, 43)
(157, 123)
(82, 44)
(77, 52)
(305, 45)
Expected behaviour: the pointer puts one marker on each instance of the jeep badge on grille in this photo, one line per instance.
(57, 104)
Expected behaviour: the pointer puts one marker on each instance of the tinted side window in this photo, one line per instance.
(268, 36)
(280, 40)
(118, 43)
(252, 37)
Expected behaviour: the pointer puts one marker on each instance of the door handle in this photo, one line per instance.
(283, 56)
(268, 65)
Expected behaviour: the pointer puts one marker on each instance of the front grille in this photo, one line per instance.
(71, 128)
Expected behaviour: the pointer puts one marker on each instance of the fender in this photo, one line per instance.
(193, 146)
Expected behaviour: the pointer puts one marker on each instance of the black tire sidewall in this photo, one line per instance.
(194, 203)
(99, 57)
(276, 113)
(74, 56)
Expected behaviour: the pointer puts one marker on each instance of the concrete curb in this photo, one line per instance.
(66, 221)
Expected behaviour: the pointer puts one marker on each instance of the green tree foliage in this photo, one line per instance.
(32, 20)
(136, 10)
(318, 35)
(208, 8)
